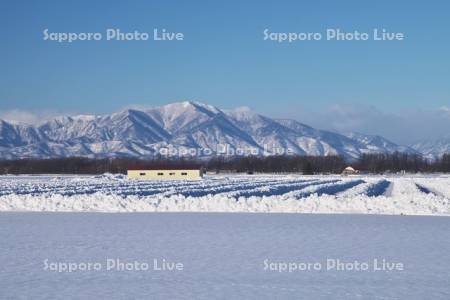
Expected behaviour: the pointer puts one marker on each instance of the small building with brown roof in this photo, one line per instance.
(350, 171)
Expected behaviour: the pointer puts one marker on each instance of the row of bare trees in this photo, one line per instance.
(278, 164)
(398, 162)
(250, 164)
(371, 163)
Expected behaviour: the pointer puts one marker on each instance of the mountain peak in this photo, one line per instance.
(194, 105)
(243, 110)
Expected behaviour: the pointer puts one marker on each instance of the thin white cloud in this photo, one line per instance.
(445, 110)
(29, 117)
(405, 127)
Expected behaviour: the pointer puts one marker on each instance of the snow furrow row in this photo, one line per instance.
(243, 193)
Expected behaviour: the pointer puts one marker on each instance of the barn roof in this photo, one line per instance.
(165, 167)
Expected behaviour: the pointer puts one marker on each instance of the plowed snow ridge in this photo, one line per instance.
(235, 193)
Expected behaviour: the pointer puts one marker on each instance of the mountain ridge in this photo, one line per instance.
(182, 126)
(433, 148)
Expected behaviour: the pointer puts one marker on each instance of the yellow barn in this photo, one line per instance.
(169, 172)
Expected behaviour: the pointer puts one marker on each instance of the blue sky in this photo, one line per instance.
(223, 59)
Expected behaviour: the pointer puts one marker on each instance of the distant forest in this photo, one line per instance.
(370, 163)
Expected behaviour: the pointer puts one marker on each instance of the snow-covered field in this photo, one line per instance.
(223, 256)
(418, 195)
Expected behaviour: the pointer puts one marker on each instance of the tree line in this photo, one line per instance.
(250, 164)
(399, 162)
(370, 163)
(278, 164)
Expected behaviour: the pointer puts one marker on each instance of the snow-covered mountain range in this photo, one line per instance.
(433, 148)
(180, 128)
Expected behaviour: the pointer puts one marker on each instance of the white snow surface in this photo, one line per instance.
(223, 255)
(410, 195)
